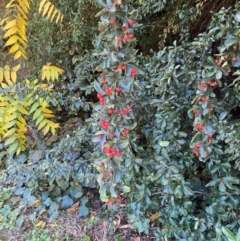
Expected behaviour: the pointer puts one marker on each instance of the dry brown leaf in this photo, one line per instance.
(74, 208)
(125, 226)
(43, 211)
(36, 203)
(117, 223)
(105, 224)
(154, 216)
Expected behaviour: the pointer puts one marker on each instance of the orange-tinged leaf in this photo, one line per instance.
(11, 40)
(154, 216)
(10, 24)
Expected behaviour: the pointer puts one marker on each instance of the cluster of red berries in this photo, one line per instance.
(109, 90)
(121, 67)
(202, 85)
(104, 124)
(101, 99)
(195, 112)
(125, 110)
(212, 83)
(111, 151)
(125, 133)
(111, 201)
(111, 111)
(199, 127)
(133, 72)
(205, 99)
(218, 62)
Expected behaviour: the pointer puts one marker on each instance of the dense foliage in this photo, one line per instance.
(148, 109)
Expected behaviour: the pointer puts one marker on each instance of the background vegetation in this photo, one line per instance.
(148, 116)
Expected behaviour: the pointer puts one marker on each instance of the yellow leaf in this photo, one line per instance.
(36, 203)
(41, 5)
(58, 17)
(40, 224)
(10, 4)
(11, 40)
(46, 130)
(10, 132)
(50, 11)
(46, 8)
(14, 76)
(26, 3)
(16, 68)
(53, 130)
(1, 75)
(45, 110)
(10, 24)
(12, 117)
(154, 216)
(54, 13)
(7, 75)
(22, 12)
(52, 124)
(17, 55)
(21, 119)
(21, 126)
(10, 32)
(14, 48)
(22, 110)
(23, 6)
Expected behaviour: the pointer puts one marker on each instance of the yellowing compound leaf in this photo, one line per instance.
(14, 48)
(46, 8)
(41, 5)
(10, 32)
(16, 68)
(10, 24)
(10, 140)
(18, 55)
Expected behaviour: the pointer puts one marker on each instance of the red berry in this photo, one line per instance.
(234, 47)
(101, 164)
(130, 22)
(112, 21)
(118, 89)
(229, 71)
(108, 90)
(234, 59)
(104, 81)
(110, 111)
(121, 112)
(133, 72)
(216, 61)
(118, 200)
(125, 38)
(131, 35)
(125, 26)
(111, 135)
(100, 136)
(119, 38)
(226, 57)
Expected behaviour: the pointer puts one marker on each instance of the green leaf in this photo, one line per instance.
(10, 140)
(164, 143)
(83, 211)
(228, 234)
